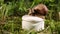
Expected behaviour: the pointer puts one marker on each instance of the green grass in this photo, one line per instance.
(11, 12)
(14, 26)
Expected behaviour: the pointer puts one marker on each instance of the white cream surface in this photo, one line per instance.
(32, 22)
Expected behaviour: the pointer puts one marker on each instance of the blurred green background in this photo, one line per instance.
(11, 12)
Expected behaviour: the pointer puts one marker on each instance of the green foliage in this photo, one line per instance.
(11, 12)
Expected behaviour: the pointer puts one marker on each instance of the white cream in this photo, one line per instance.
(34, 22)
